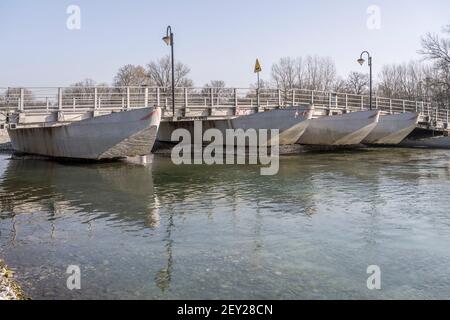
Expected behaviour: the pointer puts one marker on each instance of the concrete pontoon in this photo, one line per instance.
(392, 128)
(441, 142)
(345, 129)
(114, 135)
(290, 121)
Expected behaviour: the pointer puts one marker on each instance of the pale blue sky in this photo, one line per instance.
(217, 39)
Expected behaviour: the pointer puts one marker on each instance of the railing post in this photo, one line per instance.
(390, 106)
(417, 109)
(293, 97)
(279, 97)
(211, 93)
(346, 102)
(211, 97)
(60, 99)
(46, 103)
(362, 102)
(235, 97)
(447, 118)
(376, 102)
(404, 106)
(146, 97)
(128, 97)
(95, 99)
(73, 103)
(158, 97)
(185, 97)
(22, 99)
(257, 98)
(312, 97)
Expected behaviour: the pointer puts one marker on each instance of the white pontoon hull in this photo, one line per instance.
(346, 129)
(291, 123)
(393, 128)
(115, 135)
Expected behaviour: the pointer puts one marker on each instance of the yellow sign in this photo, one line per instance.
(257, 66)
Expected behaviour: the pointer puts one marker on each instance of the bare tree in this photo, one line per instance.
(285, 73)
(12, 96)
(215, 84)
(81, 88)
(436, 49)
(218, 90)
(82, 91)
(263, 84)
(159, 72)
(311, 72)
(84, 83)
(356, 83)
(404, 81)
(320, 73)
(131, 75)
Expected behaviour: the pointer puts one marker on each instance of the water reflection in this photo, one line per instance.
(225, 231)
(164, 275)
(123, 193)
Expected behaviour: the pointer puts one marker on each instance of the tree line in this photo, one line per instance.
(425, 79)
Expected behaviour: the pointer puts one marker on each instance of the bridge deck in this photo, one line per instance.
(53, 106)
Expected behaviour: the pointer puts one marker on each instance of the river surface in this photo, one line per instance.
(209, 232)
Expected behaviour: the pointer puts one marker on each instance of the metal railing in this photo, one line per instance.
(123, 98)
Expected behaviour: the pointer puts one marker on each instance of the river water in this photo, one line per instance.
(207, 232)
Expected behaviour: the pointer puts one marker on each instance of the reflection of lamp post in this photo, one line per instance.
(168, 39)
(361, 62)
(164, 276)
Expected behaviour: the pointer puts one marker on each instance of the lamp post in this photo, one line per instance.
(361, 62)
(168, 39)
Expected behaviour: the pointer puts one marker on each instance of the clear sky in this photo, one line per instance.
(217, 39)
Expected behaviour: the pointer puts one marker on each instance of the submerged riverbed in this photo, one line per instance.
(207, 232)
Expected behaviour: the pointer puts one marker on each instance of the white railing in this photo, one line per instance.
(113, 98)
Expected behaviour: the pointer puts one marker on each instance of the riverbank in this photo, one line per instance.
(9, 289)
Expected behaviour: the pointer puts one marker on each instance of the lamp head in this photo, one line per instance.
(167, 40)
(361, 61)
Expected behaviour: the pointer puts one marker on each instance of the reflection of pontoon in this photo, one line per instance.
(393, 128)
(116, 135)
(345, 129)
(123, 191)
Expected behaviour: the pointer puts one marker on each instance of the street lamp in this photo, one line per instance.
(168, 39)
(361, 62)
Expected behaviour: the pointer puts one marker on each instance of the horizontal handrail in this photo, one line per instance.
(27, 99)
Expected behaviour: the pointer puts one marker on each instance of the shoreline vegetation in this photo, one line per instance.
(9, 289)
